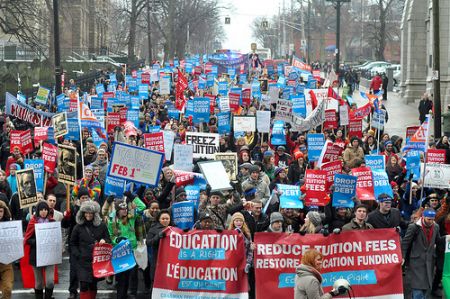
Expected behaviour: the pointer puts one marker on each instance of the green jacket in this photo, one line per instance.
(446, 122)
(132, 230)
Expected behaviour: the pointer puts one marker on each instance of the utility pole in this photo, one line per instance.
(284, 29)
(58, 72)
(337, 4)
(308, 43)
(149, 32)
(436, 70)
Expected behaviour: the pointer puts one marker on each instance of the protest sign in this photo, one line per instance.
(27, 113)
(244, 123)
(263, 121)
(381, 183)
(201, 110)
(410, 131)
(246, 96)
(11, 241)
(41, 134)
(315, 184)
(135, 164)
(183, 214)
(375, 162)
(299, 105)
(284, 110)
(154, 141)
(230, 163)
(278, 136)
(378, 119)
(169, 138)
(413, 164)
(289, 196)
(205, 144)
(216, 175)
(224, 104)
(331, 121)
(48, 243)
(38, 167)
(183, 156)
(67, 164)
(437, 176)
(343, 115)
(436, 156)
(42, 95)
(364, 185)
(369, 260)
(315, 145)
(223, 122)
(101, 260)
(360, 112)
(60, 124)
(330, 152)
(193, 194)
(314, 119)
(344, 190)
(123, 257)
(26, 188)
(49, 155)
(213, 260)
(355, 128)
(21, 140)
(114, 186)
(223, 88)
(331, 168)
(164, 85)
(234, 99)
(183, 178)
(113, 120)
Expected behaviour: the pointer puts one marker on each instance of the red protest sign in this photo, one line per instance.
(212, 102)
(145, 78)
(201, 262)
(113, 121)
(410, 131)
(246, 96)
(436, 156)
(331, 168)
(364, 184)
(183, 178)
(332, 153)
(15, 140)
(315, 183)
(134, 74)
(107, 95)
(123, 115)
(234, 101)
(101, 260)
(40, 134)
(27, 142)
(331, 121)
(154, 141)
(355, 128)
(49, 154)
(370, 260)
(73, 101)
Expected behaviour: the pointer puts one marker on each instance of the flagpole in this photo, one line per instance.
(378, 132)
(81, 134)
(425, 156)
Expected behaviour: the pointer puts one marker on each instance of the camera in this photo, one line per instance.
(341, 285)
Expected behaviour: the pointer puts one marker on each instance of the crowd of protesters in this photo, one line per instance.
(143, 214)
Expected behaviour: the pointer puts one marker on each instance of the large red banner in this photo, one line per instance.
(370, 260)
(315, 183)
(364, 184)
(201, 264)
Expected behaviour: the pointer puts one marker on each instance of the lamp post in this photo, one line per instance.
(436, 71)
(58, 87)
(337, 6)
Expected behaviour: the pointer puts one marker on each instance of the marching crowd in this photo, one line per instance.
(142, 214)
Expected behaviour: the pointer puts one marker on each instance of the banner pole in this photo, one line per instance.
(67, 197)
(81, 134)
(44, 188)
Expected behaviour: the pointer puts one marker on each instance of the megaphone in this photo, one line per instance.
(341, 285)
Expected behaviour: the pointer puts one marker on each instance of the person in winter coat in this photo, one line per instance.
(375, 84)
(353, 154)
(313, 223)
(41, 215)
(308, 281)
(16, 157)
(254, 181)
(154, 234)
(393, 168)
(4, 185)
(385, 216)
(102, 163)
(296, 171)
(219, 211)
(11, 179)
(276, 223)
(89, 182)
(425, 105)
(6, 270)
(89, 230)
(420, 240)
(359, 222)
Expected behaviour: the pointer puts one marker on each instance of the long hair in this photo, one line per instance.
(245, 230)
(309, 257)
(308, 227)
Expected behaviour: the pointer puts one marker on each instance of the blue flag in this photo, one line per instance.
(344, 190)
(183, 214)
(290, 196)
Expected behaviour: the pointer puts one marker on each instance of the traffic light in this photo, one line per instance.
(227, 20)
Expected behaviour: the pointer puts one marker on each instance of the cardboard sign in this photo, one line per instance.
(278, 136)
(343, 115)
(331, 121)
(154, 141)
(48, 243)
(263, 121)
(364, 185)
(169, 139)
(135, 164)
(183, 214)
(436, 156)
(183, 156)
(42, 134)
(205, 144)
(42, 95)
(26, 188)
(315, 183)
(230, 163)
(315, 145)
(355, 128)
(113, 121)
(369, 260)
(290, 196)
(223, 122)
(381, 183)
(21, 140)
(11, 241)
(234, 99)
(284, 110)
(216, 175)
(60, 124)
(215, 261)
(344, 190)
(330, 152)
(244, 123)
(410, 131)
(67, 164)
(331, 168)
(437, 176)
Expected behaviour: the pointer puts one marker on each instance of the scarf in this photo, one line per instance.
(428, 231)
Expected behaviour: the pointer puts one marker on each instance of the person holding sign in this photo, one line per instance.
(89, 230)
(6, 271)
(42, 215)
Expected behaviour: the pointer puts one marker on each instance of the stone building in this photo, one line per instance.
(417, 50)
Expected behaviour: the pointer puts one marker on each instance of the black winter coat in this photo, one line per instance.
(82, 242)
(378, 220)
(152, 242)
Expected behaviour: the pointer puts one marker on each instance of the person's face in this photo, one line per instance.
(341, 212)
(445, 139)
(96, 172)
(164, 219)
(283, 174)
(277, 225)
(27, 183)
(66, 142)
(51, 201)
(245, 156)
(89, 216)
(101, 156)
(206, 223)
(16, 151)
(215, 200)
(318, 263)
(389, 147)
(154, 209)
(12, 171)
(280, 152)
(84, 198)
(339, 134)
(355, 143)
(244, 171)
(238, 223)
(414, 189)
(393, 160)
(288, 212)
(361, 214)
(255, 175)
(385, 206)
(2, 213)
(43, 213)
(428, 221)
(91, 148)
(434, 202)
(385, 137)
(272, 160)
(88, 174)
(123, 213)
(256, 209)
(263, 148)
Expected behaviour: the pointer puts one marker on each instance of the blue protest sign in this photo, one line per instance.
(231, 72)
(299, 105)
(123, 257)
(188, 67)
(73, 129)
(96, 103)
(189, 109)
(100, 89)
(38, 166)
(201, 82)
(200, 181)
(375, 162)
(344, 190)
(281, 83)
(173, 113)
(62, 103)
(214, 70)
(290, 196)
(111, 87)
(193, 194)
(311, 84)
(300, 88)
(51, 135)
(133, 116)
(413, 164)
(315, 143)
(135, 102)
(113, 78)
(280, 69)
(223, 122)
(223, 88)
(210, 80)
(278, 133)
(256, 90)
(21, 98)
(381, 183)
(270, 70)
(201, 110)
(132, 85)
(183, 214)
(114, 186)
(143, 91)
(243, 79)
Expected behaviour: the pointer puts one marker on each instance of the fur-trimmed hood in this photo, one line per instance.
(90, 207)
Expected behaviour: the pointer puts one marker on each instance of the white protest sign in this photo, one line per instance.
(273, 93)
(154, 75)
(263, 121)
(343, 116)
(284, 110)
(11, 241)
(244, 124)
(182, 157)
(215, 175)
(224, 104)
(378, 119)
(164, 85)
(48, 243)
(437, 176)
(205, 144)
(169, 138)
(136, 164)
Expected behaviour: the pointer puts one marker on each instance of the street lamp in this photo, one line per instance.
(337, 5)
(58, 87)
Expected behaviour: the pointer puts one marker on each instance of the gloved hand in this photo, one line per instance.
(334, 292)
(130, 196)
(110, 199)
(120, 239)
(161, 234)
(336, 231)
(411, 175)
(326, 232)
(67, 214)
(219, 230)
(302, 232)
(247, 268)
(186, 230)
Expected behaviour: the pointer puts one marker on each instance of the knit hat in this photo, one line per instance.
(237, 215)
(254, 168)
(244, 148)
(250, 191)
(42, 205)
(276, 216)
(298, 154)
(268, 154)
(429, 213)
(314, 217)
(88, 167)
(217, 193)
(120, 205)
(246, 165)
(387, 143)
(394, 184)
(179, 192)
(383, 197)
(281, 148)
(83, 191)
(278, 170)
(204, 216)
(371, 133)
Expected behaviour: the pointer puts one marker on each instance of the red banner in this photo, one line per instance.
(113, 121)
(364, 184)
(40, 134)
(436, 156)
(370, 260)
(154, 141)
(199, 263)
(355, 128)
(49, 154)
(234, 101)
(331, 120)
(361, 112)
(101, 260)
(315, 183)
(246, 97)
(410, 131)
(331, 168)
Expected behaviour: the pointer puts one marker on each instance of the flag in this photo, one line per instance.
(334, 95)
(180, 98)
(88, 120)
(418, 141)
(313, 99)
(376, 105)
